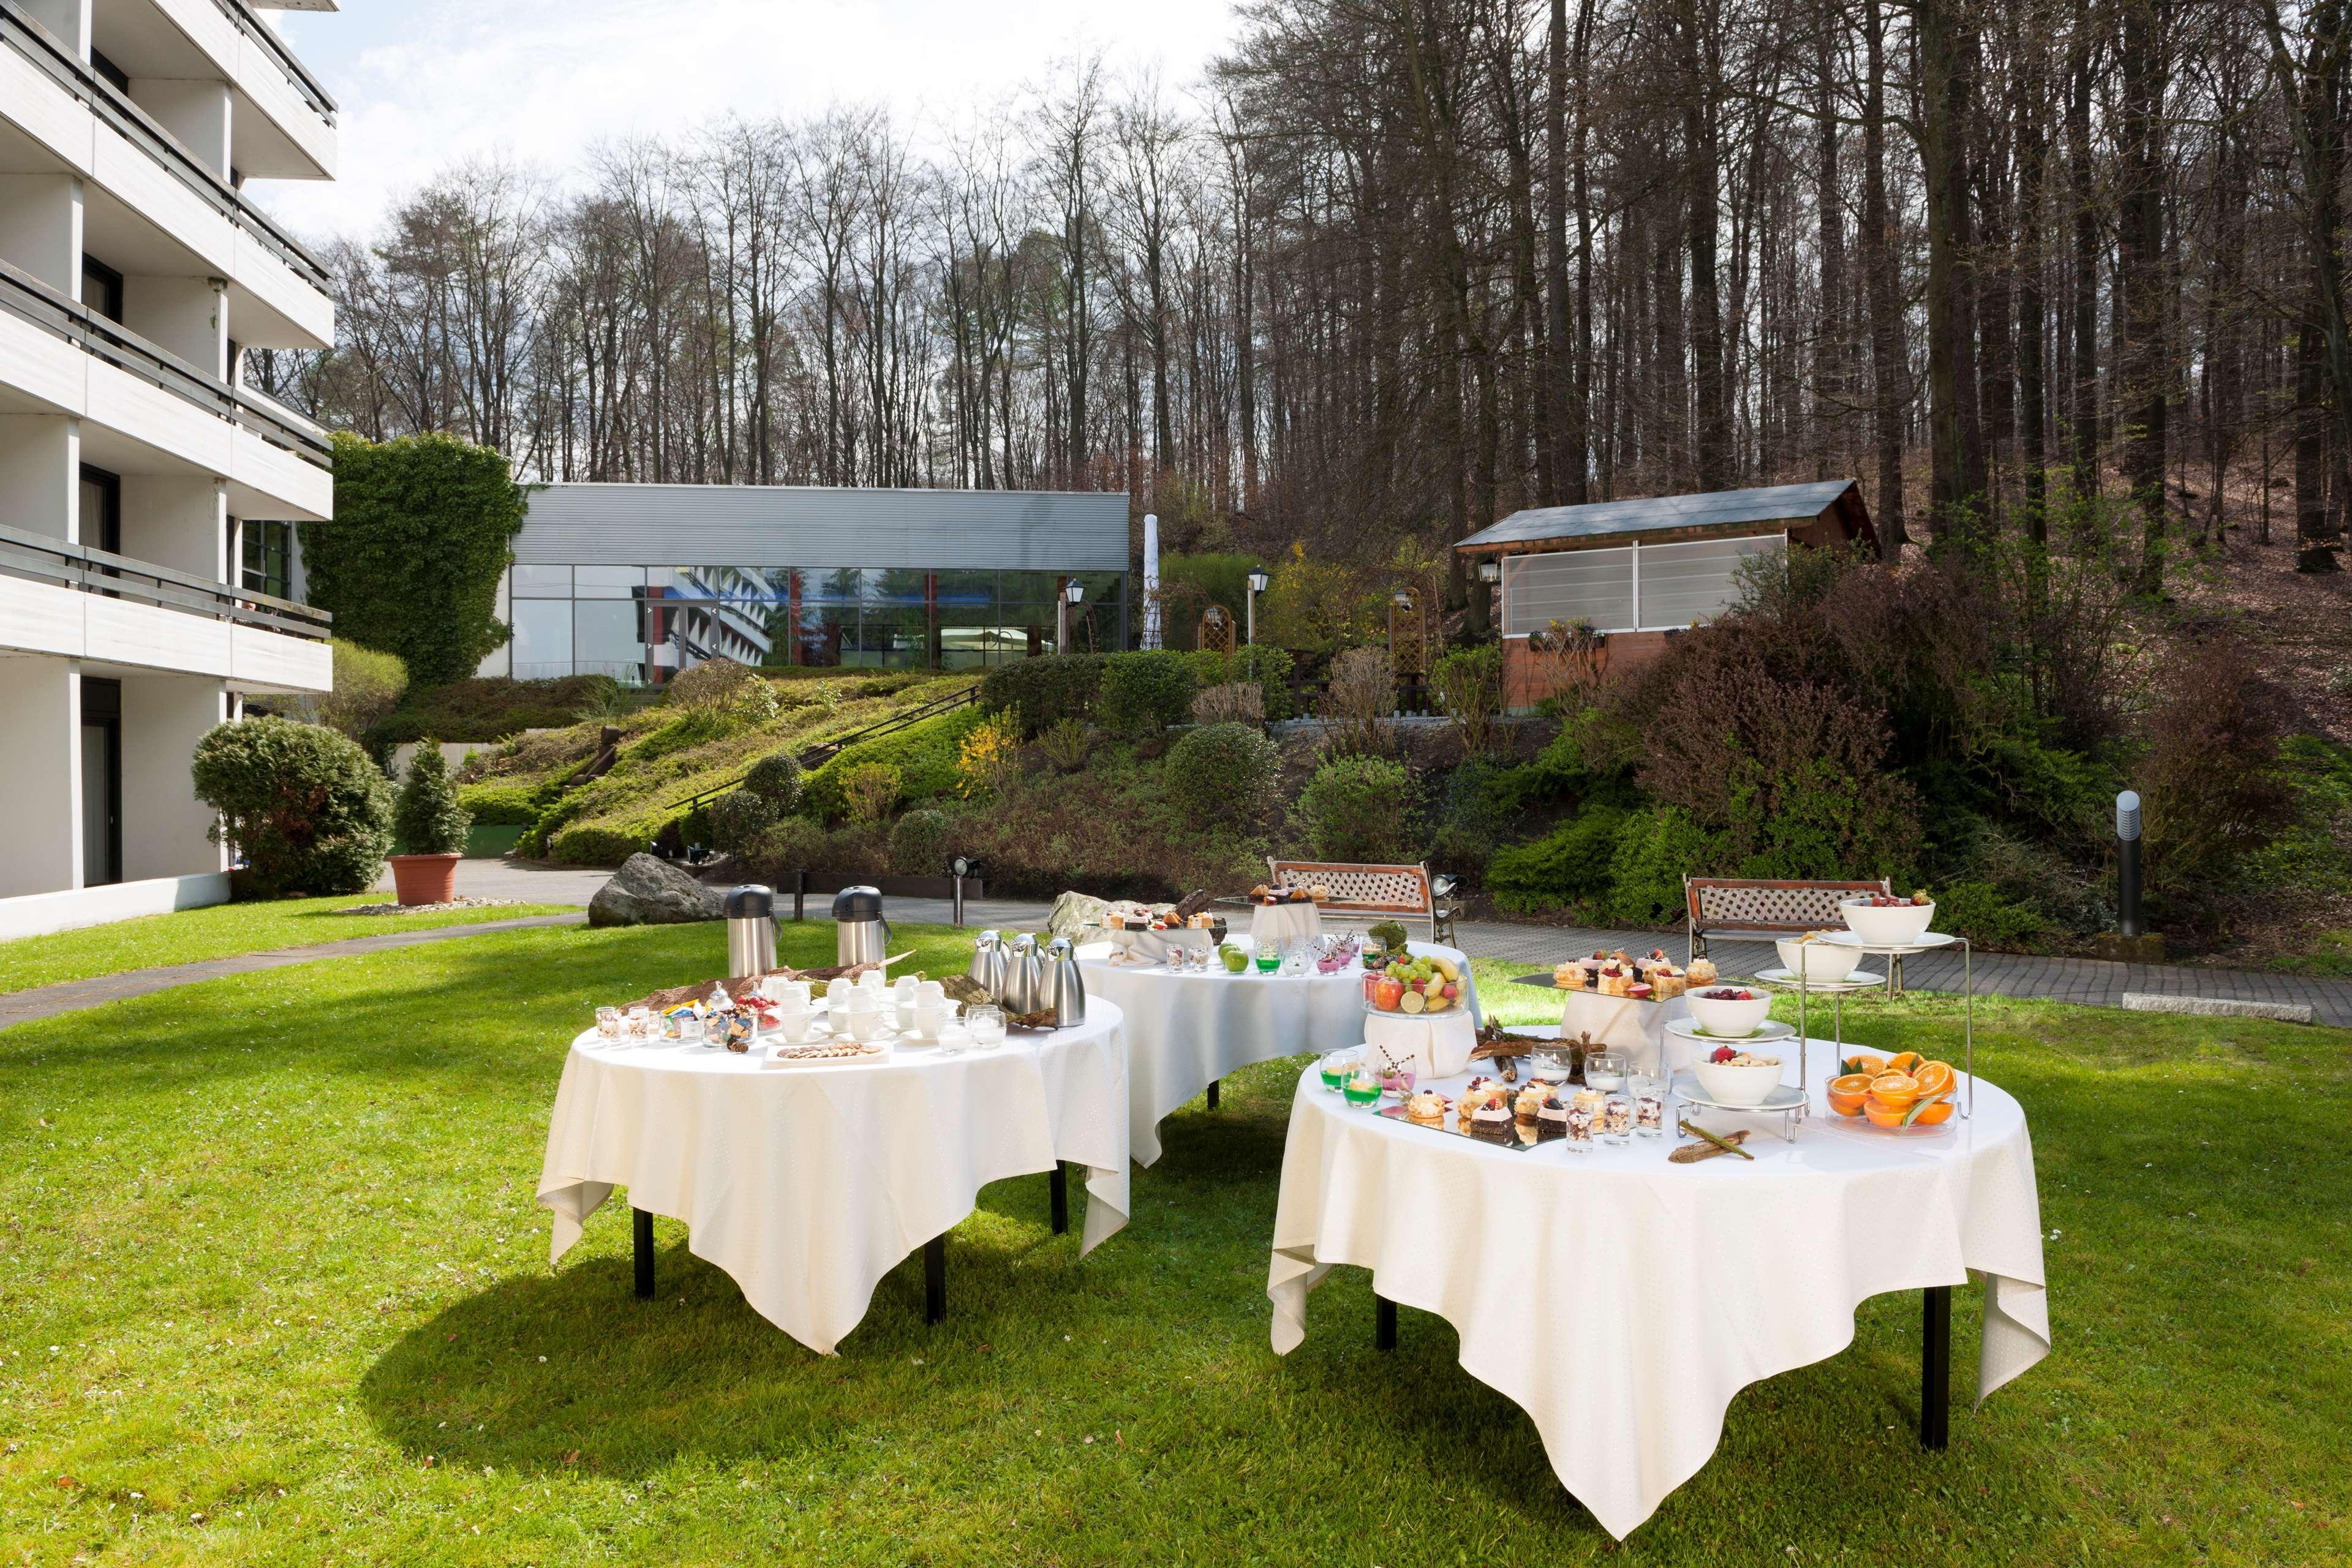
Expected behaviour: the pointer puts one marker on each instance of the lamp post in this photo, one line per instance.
(1072, 593)
(1258, 582)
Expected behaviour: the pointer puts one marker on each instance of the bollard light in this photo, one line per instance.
(2127, 869)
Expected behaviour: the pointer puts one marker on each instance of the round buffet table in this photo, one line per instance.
(1709, 1276)
(1186, 1031)
(808, 1184)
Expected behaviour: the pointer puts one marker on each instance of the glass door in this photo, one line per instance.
(101, 782)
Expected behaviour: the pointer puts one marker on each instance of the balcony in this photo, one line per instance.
(282, 120)
(150, 205)
(70, 601)
(146, 410)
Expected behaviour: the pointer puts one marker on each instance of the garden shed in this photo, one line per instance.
(1633, 573)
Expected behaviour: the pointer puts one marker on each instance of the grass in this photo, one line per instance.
(278, 1293)
(219, 932)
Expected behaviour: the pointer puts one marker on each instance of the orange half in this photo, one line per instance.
(1934, 1114)
(1866, 1065)
(1888, 1117)
(1934, 1079)
(1895, 1088)
(1905, 1061)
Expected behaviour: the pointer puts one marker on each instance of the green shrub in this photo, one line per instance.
(712, 685)
(492, 707)
(1570, 865)
(738, 818)
(1468, 821)
(410, 565)
(925, 756)
(1223, 770)
(775, 779)
(1469, 686)
(918, 843)
(506, 805)
(595, 843)
(429, 818)
(1656, 850)
(1145, 693)
(797, 844)
(870, 790)
(1271, 668)
(1358, 808)
(368, 687)
(1978, 911)
(302, 804)
(1217, 578)
(1066, 745)
(1045, 690)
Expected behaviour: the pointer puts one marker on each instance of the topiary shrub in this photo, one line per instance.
(1144, 693)
(591, 844)
(1358, 808)
(777, 780)
(918, 842)
(738, 819)
(870, 790)
(1044, 691)
(429, 818)
(302, 804)
(1220, 770)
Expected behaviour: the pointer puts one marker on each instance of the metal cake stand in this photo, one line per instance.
(1861, 980)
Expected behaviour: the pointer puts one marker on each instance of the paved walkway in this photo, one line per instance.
(71, 995)
(2088, 981)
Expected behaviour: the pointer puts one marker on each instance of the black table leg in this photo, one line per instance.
(642, 1224)
(1383, 1323)
(1213, 1094)
(1058, 1185)
(935, 1280)
(1935, 1368)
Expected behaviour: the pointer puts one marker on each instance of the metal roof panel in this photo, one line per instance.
(1772, 503)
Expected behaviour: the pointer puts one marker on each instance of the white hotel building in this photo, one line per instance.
(146, 497)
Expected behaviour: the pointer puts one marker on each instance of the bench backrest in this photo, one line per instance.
(1359, 889)
(1723, 904)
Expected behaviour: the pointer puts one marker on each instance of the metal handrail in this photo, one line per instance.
(110, 104)
(45, 558)
(28, 299)
(260, 31)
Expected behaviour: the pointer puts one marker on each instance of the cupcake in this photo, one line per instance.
(1426, 1109)
(1491, 1124)
(1552, 1120)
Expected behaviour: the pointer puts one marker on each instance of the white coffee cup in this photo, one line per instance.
(927, 1017)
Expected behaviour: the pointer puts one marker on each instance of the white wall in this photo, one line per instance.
(40, 474)
(164, 823)
(176, 520)
(40, 229)
(40, 775)
(68, 19)
(194, 110)
(186, 316)
(38, 914)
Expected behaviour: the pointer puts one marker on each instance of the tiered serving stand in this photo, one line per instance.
(1862, 980)
(1790, 1102)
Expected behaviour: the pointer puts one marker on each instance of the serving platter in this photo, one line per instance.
(1927, 942)
(1452, 1126)
(1770, 1029)
(1860, 980)
(1784, 1098)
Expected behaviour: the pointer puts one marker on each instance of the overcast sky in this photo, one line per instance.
(422, 83)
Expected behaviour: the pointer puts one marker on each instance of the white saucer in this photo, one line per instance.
(1860, 980)
(1770, 1029)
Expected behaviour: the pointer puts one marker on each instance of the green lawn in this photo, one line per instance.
(276, 1292)
(219, 932)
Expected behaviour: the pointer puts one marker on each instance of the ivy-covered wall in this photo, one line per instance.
(411, 563)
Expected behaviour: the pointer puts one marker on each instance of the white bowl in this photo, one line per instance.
(1898, 925)
(1736, 1086)
(1729, 1020)
(1821, 962)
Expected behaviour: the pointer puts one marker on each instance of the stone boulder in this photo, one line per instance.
(646, 891)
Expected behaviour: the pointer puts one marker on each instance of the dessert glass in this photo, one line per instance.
(986, 1024)
(1337, 1069)
(1270, 958)
(1617, 1120)
(641, 1024)
(1649, 1092)
(1360, 1092)
(608, 1022)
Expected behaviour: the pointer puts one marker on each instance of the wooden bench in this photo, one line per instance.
(1765, 911)
(1368, 892)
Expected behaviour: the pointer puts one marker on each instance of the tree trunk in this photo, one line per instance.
(2142, 280)
(1701, 150)
(1889, 371)
(1956, 435)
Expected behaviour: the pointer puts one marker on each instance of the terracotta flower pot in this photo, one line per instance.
(424, 879)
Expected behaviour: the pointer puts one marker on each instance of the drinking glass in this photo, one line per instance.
(952, 1041)
(641, 1024)
(1269, 958)
(608, 1022)
(987, 1026)
(1649, 1092)
(1337, 1068)
(1605, 1071)
(1617, 1119)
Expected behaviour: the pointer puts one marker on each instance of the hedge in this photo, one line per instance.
(492, 707)
(1044, 690)
(925, 756)
(1146, 692)
(506, 805)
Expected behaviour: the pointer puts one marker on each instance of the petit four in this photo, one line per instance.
(1426, 1109)
(1492, 1122)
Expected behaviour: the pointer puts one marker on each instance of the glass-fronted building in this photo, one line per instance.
(640, 581)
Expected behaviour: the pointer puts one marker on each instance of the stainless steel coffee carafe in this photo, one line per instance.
(1065, 988)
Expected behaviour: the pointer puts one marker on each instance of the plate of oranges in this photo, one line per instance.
(1902, 1093)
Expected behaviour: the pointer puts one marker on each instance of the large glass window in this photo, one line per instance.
(270, 558)
(540, 582)
(607, 640)
(542, 638)
(1595, 585)
(1683, 584)
(607, 582)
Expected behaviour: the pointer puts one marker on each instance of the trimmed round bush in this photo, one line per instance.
(737, 820)
(1144, 693)
(1045, 690)
(776, 780)
(1221, 769)
(1358, 808)
(302, 804)
(918, 843)
(428, 818)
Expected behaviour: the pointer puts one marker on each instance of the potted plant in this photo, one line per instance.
(432, 827)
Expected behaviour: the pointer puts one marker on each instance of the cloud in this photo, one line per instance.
(426, 83)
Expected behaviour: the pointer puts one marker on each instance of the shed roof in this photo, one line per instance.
(1716, 510)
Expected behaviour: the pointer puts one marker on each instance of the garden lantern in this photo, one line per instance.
(1258, 583)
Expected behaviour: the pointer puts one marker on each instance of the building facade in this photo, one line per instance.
(640, 581)
(146, 494)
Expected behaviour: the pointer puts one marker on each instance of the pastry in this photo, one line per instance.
(1639, 992)
(1261, 891)
(1493, 1124)
(1614, 979)
(1569, 976)
(1426, 1109)
(1701, 971)
(1552, 1120)
(1528, 1101)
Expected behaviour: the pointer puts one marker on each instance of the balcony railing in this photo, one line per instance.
(41, 558)
(260, 31)
(113, 107)
(26, 297)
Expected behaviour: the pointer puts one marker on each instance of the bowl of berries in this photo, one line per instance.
(1736, 1078)
(1730, 1012)
(1881, 920)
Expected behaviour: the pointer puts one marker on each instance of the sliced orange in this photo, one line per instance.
(1888, 1117)
(1866, 1065)
(1895, 1088)
(1933, 1114)
(1934, 1079)
(1905, 1061)
(1847, 1093)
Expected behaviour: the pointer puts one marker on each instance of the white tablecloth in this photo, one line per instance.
(1638, 1028)
(1715, 1274)
(1283, 925)
(1186, 1031)
(807, 1184)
